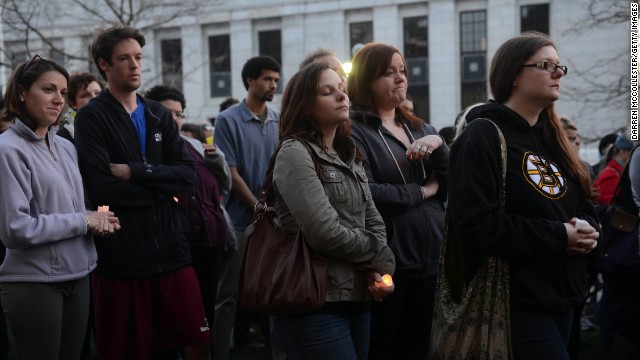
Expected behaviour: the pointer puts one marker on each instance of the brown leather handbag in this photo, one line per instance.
(279, 273)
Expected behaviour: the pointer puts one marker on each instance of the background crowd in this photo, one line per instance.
(124, 223)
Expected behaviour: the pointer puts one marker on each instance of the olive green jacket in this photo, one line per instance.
(336, 215)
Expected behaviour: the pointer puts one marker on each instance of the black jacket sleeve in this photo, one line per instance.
(176, 172)
(95, 137)
(439, 163)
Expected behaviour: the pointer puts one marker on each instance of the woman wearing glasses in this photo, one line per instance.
(547, 190)
(44, 225)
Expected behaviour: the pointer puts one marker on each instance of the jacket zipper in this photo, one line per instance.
(147, 168)
(155, 238)
(66, 179)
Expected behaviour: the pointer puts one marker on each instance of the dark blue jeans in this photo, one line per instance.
(540, 335)
(325, 336)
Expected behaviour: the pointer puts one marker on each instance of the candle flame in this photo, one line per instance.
(386, 281)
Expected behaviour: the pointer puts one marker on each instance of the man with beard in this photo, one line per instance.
(146, 295)
(247, 134)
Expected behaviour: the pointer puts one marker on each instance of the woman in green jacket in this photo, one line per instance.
(336, 214)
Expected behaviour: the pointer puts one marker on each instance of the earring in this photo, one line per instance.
(21, 98)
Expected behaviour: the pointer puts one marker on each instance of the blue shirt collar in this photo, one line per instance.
(247, 115)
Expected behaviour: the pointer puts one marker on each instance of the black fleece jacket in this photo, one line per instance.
(540, 197)
(153, 235)
(414, 226)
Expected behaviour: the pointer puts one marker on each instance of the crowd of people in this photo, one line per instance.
(125, 223)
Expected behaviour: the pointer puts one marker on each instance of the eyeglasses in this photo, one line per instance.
(31, 62)
(549, 66)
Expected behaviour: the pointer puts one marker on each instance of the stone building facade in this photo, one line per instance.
(448, 45)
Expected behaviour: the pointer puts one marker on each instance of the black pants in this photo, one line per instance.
(538, 335)
(48, 320)
(401, 324)
(206, 263)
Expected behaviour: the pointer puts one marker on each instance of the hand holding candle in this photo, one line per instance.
(380, 286)
(586, 239)
(584, 226)
(209, 149)
(102, 222)
(386, 281)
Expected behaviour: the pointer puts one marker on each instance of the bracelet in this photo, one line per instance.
(424, 192)
(86, 219)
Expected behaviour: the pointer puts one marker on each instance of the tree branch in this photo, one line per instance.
(29, 27)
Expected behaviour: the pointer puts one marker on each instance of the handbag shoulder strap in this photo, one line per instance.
(503, 168)
(266, 191)
(503, 161)
(451, 248)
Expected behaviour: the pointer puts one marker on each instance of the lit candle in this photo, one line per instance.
(103, 208)
(386, 281)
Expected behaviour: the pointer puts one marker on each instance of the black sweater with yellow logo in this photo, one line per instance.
(540, 196)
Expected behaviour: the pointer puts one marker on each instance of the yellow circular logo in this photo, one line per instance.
(544, 176)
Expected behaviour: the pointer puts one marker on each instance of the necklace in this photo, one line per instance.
(331, 151)
(424, 173)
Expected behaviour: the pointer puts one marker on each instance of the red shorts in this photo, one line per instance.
(135, 317)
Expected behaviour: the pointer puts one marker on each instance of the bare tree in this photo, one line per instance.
(605, 83)
(39, 22)
(603, 13)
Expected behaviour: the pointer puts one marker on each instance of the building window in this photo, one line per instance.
(473, 31)
(270, 43)
(473, 57)
(535, 17)
(220, 65)
(361, 33)
(415, 37)
(171, 54)
(19, 57)
(416, 52)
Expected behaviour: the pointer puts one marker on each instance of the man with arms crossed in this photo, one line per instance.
(145, 292)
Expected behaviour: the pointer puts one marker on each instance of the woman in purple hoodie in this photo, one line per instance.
(44, 225)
